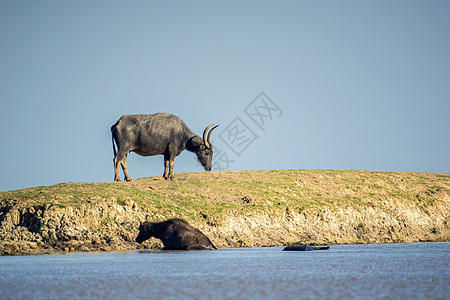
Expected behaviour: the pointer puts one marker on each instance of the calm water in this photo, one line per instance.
(394, 271)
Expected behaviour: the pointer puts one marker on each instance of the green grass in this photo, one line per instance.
(215, 193)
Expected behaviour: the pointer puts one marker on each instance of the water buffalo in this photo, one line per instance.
(305, 248)
(156, 134)
(175, 234)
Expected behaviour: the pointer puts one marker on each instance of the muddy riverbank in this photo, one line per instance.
(246, 208)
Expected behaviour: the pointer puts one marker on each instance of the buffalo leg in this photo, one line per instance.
(171, 164)
(125, 169)
(116, 169)
(166, 169)
(118, 161)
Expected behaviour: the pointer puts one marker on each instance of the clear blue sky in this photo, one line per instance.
(352, 84)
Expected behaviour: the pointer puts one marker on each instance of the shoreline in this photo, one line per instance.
(145, 250)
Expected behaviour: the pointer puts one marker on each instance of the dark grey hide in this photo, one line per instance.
(156, 134)
(305, 248)
(175, 234)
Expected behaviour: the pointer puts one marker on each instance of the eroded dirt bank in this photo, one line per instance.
(248, 208)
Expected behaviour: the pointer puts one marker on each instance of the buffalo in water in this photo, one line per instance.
(175, 234)
(305, 247)
(156, 134)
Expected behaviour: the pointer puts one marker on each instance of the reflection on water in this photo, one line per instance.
(351, 271)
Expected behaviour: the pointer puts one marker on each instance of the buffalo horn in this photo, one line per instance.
(209, 135)
(205, 141)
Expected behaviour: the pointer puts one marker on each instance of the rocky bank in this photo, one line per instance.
(234, 209)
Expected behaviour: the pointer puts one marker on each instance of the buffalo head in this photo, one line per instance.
(205, 152)
(145, 232)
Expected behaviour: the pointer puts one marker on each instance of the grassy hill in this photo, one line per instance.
(245, 208)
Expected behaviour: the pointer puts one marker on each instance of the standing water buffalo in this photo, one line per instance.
(175, 234)
(156, 134)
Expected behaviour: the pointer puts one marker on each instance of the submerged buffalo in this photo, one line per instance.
(175, 234)
(305, 248)
(156, 134)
